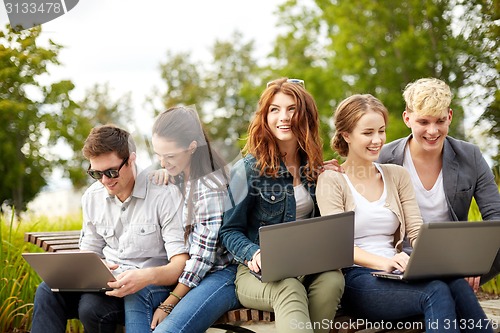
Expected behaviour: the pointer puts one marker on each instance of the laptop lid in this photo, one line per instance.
(71, 271)
(452, 249)
(307, 246)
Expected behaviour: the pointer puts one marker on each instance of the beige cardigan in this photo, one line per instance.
(334, 196)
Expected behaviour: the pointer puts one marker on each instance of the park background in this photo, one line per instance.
(120, 62)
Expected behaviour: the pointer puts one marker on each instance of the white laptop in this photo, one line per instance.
(82, 271)
(306, 247)
(451, 249)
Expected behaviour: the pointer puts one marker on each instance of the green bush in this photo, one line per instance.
(492, 286)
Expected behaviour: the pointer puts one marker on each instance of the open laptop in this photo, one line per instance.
(309, 246)
(451, 249)
(71, 271)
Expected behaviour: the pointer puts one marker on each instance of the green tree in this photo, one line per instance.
(484, 31)
(28, 112)
(96, 108)
(301, 52)
(365, 46)
(38, 122)
(225, 93)
(68, 128)
(99, 106)
(234, 83)
(183, 79)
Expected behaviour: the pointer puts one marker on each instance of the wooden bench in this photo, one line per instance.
(59, 241)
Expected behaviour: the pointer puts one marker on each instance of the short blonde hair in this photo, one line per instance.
(428, 97)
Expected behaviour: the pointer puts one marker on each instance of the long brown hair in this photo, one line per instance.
(183, 126)
(261, 142)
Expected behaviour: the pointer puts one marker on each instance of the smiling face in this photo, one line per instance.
(122, 186)
(367, 138)
(279, 118)
(174, 158)
(429, 132)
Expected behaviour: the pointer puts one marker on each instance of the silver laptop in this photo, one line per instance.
(307, 246)
(451, 249)
(71, 271)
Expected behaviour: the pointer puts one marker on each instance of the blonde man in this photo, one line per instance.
(446, 173)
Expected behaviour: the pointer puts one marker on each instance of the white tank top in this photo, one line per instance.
(303, 202)
(432, 203)
(375, 224)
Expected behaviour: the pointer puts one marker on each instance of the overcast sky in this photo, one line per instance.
(123, 41)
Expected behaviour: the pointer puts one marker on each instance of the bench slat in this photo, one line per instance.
(64, 248)
(41, 240)
(46, 245)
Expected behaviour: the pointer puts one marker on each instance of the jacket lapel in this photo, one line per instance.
(398, 152)
(450, 172)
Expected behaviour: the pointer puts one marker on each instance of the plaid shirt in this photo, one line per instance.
(205, 249)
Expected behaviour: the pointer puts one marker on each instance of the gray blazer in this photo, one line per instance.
(465, 175)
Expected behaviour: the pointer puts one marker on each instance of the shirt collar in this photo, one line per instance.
(141, 184)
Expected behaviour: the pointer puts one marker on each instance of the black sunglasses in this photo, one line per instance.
(110, 173)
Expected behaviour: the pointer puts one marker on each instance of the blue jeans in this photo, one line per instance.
(96, 311)
(203, 305)
(140, 306)
(448, 305)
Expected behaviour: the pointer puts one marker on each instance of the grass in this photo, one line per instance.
(18, 281)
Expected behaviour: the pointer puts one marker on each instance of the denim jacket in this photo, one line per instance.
(258, 201)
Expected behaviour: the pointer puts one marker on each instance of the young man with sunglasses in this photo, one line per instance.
(134, 226)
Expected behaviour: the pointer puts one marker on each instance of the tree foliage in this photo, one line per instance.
(232, 80)
(28, 112)
(183, 80)
(485, 34)
(96, 108)
(41, 127)
(224, 91)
